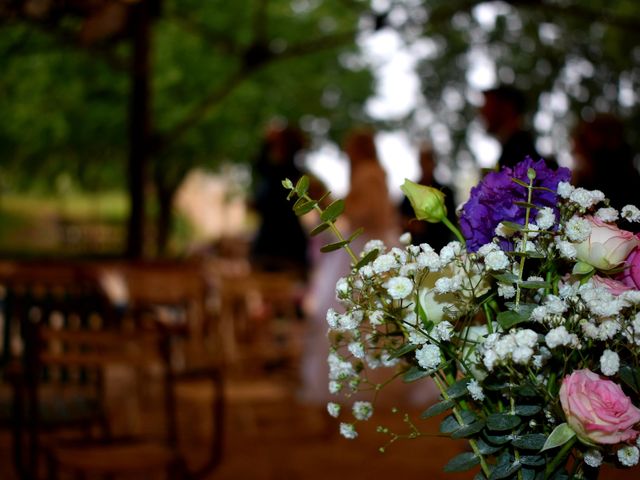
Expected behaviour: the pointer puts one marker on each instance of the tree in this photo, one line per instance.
(218, 72)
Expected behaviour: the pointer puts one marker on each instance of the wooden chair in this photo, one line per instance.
(89, 354)
(51, 294)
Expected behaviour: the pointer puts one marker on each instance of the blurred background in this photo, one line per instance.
(142, 145)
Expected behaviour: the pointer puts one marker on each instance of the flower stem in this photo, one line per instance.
(454, 229)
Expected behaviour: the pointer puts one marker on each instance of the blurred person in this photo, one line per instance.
(281, 241)
(503, 114)
(604, 161)
(367, 205)
(435, 234)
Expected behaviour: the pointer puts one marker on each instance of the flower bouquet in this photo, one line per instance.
(529, 324)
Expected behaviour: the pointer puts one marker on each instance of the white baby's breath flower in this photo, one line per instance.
(372, 245)
(449, 252)
(593, 458)
(608, 329)
(584, 198)
(533, 230)
(566, 249)
(522, 355)
(526, 338)
(443, 331)
(609, 363)
(631, 213)
(384, 263)
(560, 337)
(428, 356)
(489, 359)
(496, 260)
(578, 229)
(539, 313)
(506, 291)
(502, 231)
(408, 269)
(629, 456)
(366, 271)
(347, 430)
(444, 285)
(334, 386)
(416, 337)
(565, 189)
(332, 318)
(405, 238)
(545, 218)
(376, 317)
(430, 260)
(333, 409)
(362, 410)
(487, 248)
(607, 214)
(342, 288)
(475, 390)
(399, 287)
(505, 346)
(356, 349)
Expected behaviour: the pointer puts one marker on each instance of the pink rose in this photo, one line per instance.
(607, 245)
(631, 275)
(597, 409)
(615, 287)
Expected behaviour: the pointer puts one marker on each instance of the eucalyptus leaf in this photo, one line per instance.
(519, 182)
(486, 448)
(319, 229)
(505, 471)
(413, 374)
(302, 186)
(462, 462)
(530, 474)
(497, 439)
(526, 205)
(505, 277)
(449, 424)
(437, 409)
(512, 226)
(334, 246)
(458, 389)
(508, 318)
(406, 348)
(533, 284)
(468, 430)
(533, 460)
(356, 234)
(304, 208)
(560, 435)
(527, 410)
(631, 377)
(333, 211)
(502, 421)
(368, 258)
(532, 441)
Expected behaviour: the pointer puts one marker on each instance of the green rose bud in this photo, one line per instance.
(427, 202)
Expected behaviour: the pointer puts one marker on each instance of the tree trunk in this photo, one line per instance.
(165, 216)
(139, 127)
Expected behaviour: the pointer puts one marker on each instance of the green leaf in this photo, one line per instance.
(302, 186)
(468, 430)
(319, 229)
(368, 258)
(631, 377)
(526, 205)
(560, 435)
(509, 318)
(502, 421)
(526, 390)
(356, 234)
(334, 246)
(527, 410)
(413, 374)
(527, 254)
(486, 448)
(533, 284)
(519, 182)
(406, 348)
(505, 277)
(458, 389)
(304, 208)
(533, 460)
(505, 471)
(437, 409)
(333, 211)
(582, 268)
(499, 439)
(530, 474)
(532, 441)
(449, 424)
(512, 226)
(462, 462)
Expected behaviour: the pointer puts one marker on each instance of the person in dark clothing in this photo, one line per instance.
(503, 113)
(604, 161)
(435, 234)
(281, 241)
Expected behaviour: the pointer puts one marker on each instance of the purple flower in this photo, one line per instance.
(494, 199)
